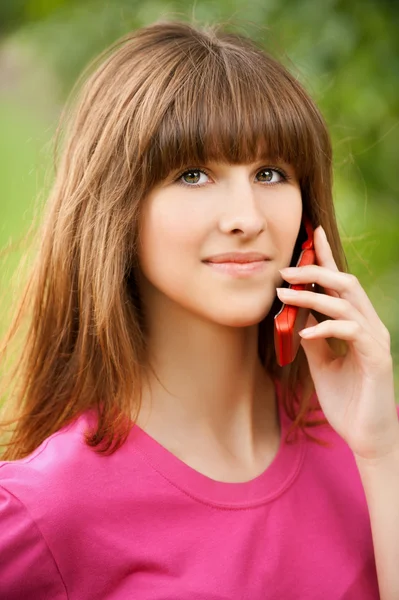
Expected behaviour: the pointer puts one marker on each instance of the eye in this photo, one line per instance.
(195, 177)
(271, 176)
(192, 177)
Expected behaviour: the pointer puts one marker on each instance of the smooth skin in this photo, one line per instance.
(211, 402)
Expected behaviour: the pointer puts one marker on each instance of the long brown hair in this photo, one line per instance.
(164, 97)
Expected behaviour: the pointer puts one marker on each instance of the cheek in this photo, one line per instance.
(284, 226)
(170, 237)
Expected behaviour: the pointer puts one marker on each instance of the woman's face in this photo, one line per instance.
(219, 208)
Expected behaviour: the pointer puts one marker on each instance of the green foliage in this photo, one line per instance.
(14, 13)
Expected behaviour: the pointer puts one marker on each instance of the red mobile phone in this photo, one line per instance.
(291, 319)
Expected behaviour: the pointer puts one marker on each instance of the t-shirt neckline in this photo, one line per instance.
(267, 486)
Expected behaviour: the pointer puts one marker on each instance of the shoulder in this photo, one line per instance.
(27, 565)
(48, 480)
(53, 484)
(64, 471)
(51, 502)
(64, 484)
(59, 463)
(31, 491)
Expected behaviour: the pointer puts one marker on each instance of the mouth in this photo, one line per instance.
(239, 269)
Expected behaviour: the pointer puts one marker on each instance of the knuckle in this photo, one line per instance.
(346, 307)
(351, 281)
(356, 328)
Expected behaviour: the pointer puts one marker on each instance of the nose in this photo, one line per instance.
(242, 215)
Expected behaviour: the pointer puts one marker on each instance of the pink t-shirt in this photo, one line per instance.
(142, 524)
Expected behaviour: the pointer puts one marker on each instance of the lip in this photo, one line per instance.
(244, 269)
(237, 258)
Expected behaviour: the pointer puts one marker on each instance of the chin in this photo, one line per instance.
(243, 317)
(242, 322)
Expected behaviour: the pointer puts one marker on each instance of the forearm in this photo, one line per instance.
(380, 479)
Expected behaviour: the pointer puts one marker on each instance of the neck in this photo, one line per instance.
(206, 382)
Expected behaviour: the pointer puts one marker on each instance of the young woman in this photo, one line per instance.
(158, 450)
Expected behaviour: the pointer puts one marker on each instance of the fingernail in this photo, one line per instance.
(286, 292)
(323, 232)
(288, 270)
(306, 332)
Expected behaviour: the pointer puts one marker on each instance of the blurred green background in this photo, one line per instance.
(346, 53)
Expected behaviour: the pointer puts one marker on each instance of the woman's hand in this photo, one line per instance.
(355, 391)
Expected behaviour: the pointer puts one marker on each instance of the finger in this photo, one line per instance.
(352, 332)
(318, 351)
(344, 330)
(336, 308)
(323, 250)
(345, 285)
